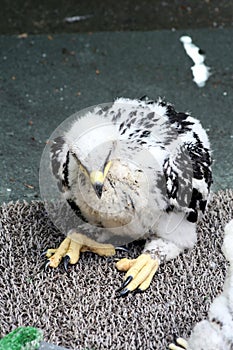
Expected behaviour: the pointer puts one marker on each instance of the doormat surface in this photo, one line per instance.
(79, 309)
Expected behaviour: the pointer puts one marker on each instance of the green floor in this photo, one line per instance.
(44, 79)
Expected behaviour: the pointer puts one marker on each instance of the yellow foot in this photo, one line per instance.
(71, 248)
(181, 344)
(139, 274)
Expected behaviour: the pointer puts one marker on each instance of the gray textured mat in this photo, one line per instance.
(79, 310)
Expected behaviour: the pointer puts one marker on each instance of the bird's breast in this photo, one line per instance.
(125, 195)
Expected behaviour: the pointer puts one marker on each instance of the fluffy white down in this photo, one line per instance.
(216, 333)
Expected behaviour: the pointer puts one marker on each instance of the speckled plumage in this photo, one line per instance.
(159, 181)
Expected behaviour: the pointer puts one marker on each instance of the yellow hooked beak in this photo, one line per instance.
(97, 179)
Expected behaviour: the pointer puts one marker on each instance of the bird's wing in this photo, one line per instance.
(187, 169)
(188, 178)
(202, 176)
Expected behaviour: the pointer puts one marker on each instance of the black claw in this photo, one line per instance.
(175, 336)
(112, 259)
(46, 265)
(43, 253)
(66, 262)
(122, 248)
(124, 292)
(125, 283)
(137, 291)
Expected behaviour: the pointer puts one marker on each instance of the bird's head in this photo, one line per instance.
(95, 166)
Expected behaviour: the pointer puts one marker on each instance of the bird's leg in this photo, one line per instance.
(141, 271)
(74, 244)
